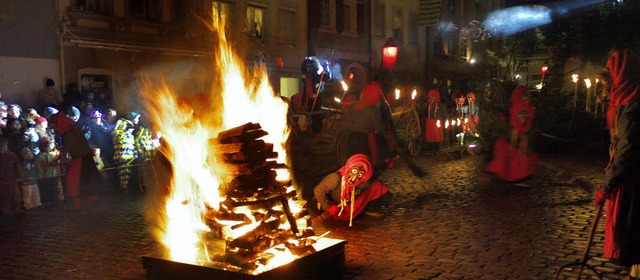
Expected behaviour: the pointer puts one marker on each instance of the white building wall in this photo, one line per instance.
(21, 78)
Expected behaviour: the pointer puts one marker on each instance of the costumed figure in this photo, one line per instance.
(434, 127)
(81, 172)
(29, 186)
(315, 74)
(346, 193)
(512, 161)
(460, 100)
(48, 170)
(371, 122)
(10, 175)
(621, 189)
(471, 114)
(124, 154)
(145, 148)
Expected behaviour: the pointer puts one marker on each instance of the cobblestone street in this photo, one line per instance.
(450, 224)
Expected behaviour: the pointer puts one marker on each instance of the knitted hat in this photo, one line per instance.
(134, 115)
(40, 120)
(12, 106)
(73, 112)
(95, 114)
(50, 111)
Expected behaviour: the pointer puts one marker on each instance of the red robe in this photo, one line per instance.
(82, 168)
(622, 228)
(509, 164)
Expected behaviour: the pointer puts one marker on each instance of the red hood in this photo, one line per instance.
(370, 95)
(354, 160)
(623, 68)
(435, 94)
(624, 77)
(516, 94)
(62, 123)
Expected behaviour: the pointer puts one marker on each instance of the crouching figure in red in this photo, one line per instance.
(512, 161)
(347, 193)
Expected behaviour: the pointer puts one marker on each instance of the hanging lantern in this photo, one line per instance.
(389, 53)
(544, 70)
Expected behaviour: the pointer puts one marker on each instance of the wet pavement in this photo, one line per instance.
(453, 223)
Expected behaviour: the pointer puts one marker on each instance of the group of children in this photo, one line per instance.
(34, 166)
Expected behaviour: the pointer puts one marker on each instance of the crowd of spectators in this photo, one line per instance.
(37, 158)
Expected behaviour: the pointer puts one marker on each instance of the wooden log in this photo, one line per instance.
(252, 135)
(256, 237)
(225, 149)
(254, 180)
(290, 218)
(228, 135)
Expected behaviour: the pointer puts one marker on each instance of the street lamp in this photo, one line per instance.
(389, 53)
(574, 77)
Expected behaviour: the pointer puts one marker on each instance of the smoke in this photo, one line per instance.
(336, 70)
(515, 19)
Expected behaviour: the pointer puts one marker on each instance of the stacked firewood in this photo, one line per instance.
(251, 184)
(251, 163)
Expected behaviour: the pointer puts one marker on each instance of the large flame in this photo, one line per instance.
(189, 124)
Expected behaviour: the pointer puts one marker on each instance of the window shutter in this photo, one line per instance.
(314, 8)
(339, 15)
(360, 19)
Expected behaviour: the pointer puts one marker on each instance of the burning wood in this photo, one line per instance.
(257, 204)
(250, 162)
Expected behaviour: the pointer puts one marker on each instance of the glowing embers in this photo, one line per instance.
(326, 262)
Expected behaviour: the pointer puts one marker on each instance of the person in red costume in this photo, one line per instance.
(621, 189)
(82, 171)
(380, 138)
(348, 192)
(433, 124)
(512, 162)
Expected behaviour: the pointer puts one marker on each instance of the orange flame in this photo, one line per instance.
(188, 125)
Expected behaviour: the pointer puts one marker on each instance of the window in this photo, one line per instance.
(255, 21)
(289, 86)
(5, 10)
(96, 6)
(379, 20)
(287, 24)
(222, 10)
(145, 9)
(397, 25)
(325, 13)
(413, 28)
(349, 18)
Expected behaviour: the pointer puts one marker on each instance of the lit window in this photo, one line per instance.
(255, 20)
(222, 10)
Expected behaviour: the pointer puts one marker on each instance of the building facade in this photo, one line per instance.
(109, 45)
(29, 52)
(398, 21)
(339, 31)
(456, 43)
